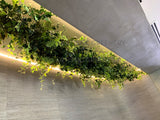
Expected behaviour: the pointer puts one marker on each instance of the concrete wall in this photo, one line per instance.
(20, 95)
(119, 25)
(151, 9)
(21, 98)
(155, 76)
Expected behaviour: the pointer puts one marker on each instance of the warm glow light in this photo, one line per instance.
(138, 69)
(33, 63)
(13, 58)
(20, 60)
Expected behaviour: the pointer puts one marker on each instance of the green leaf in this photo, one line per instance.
(81, 38)
(22, 1)
(18, 27)
(47, 19)
(2, 12)
(84, 83)
(35, 17)
(71, 76)
(15, 2)
(26, 8)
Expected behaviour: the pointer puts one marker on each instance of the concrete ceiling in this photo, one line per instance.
(119, 25)
(21, 99)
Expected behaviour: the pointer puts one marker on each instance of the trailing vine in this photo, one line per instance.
(39, 40)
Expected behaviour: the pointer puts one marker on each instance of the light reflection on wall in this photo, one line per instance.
(20, 60)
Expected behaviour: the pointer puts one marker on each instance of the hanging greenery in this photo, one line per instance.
(40, 40)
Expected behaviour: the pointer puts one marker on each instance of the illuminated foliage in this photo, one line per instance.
(40, 40)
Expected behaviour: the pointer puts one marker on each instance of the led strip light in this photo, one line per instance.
(33, 63)
(20, 60)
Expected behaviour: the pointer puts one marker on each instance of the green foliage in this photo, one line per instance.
(42, 42)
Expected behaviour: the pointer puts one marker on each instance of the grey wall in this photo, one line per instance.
(21, 98)
(119, 25)
(155, 76)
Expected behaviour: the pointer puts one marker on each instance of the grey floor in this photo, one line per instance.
(21, 98)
